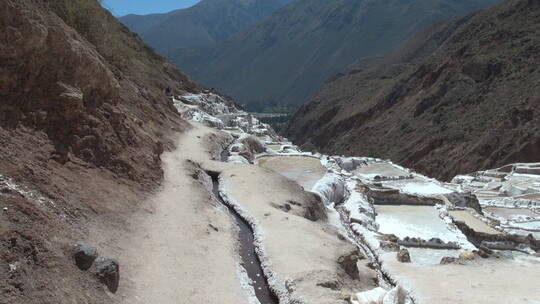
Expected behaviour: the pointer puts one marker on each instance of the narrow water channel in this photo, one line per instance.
(250, 259)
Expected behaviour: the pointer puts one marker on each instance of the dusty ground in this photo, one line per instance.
(174, 254)
(303, 252)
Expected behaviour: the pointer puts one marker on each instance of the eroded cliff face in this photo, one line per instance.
(83, 122)
(460, 97)
(97, 94)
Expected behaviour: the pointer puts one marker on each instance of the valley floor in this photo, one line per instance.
(174, 254)
(320, 221)
(184, 247)
(324, 229)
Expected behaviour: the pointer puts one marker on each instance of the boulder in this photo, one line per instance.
(466, 255)
(253, 144)
(348, 263)
(84, 256)
(465, 200)
(448, 260)
(403, 256)
(390, 246)
(314, 209)
(108, 271)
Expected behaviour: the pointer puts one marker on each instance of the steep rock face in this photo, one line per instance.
(457, 98)
(83, 121)
(206, 22)
(95, 101)
(286, 58)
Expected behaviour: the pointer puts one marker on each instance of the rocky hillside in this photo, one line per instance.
(206, 22)
(83, 121)
(286, 58)
(457, 98)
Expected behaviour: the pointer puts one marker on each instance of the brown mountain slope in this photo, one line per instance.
(83, 121)
(460, 97)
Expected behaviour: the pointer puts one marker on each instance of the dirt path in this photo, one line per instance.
(174, 255)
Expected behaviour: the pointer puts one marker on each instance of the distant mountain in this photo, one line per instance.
(206, 22)
(460, 97)
(286, 58)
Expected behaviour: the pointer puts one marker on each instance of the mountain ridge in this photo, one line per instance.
(458, 98)
(285, 58)
(206, 22)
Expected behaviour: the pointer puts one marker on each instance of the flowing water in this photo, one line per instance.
(248, 254)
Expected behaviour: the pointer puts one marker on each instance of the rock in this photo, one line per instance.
(390, 246)
(389, 237)
(348, 263)
(333, 284)
(385, 196)
(84, 256)
(403, 256)
(464, 199)
(13, 267)
(314, 210)
(466, 255)
(482, 254)
(432, 243)
(537, 254)
(485, 249)
(108, 271)
(253, 144)
(448, 260)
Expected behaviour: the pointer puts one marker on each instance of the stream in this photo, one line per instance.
(250, 259)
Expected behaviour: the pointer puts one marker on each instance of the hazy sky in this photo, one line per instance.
(144, 7)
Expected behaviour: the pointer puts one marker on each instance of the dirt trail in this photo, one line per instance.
(174, 255)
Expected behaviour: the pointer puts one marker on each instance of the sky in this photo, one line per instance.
(144, 7)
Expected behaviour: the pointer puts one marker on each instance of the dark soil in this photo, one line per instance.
(83, 122)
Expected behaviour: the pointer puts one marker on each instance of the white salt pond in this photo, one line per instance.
(304, 170)
(418, 187)
(483, 281)
(414, 221)
(536, 235)
(530, 226)
(510, 213)
(381, 169)
(274, 147)
(427, 256)
(471, 221)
